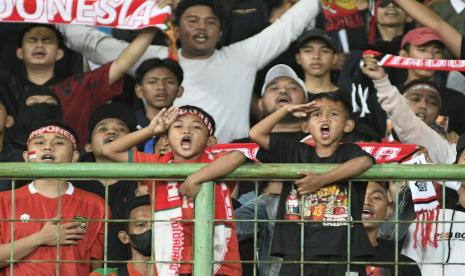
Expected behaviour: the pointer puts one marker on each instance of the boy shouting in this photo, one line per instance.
(323, 198)
(189, 131)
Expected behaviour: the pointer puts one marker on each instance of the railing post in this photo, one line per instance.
(203, 231)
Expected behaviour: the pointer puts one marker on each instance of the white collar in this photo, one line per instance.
(33, 189)
(458, 5)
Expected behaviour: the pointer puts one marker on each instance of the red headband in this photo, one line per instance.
(201, 116)
(53, 129)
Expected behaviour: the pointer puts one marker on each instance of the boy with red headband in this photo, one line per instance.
(189, 131)
(71, 227)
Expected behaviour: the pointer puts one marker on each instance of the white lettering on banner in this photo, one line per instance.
(386, 152)
(85, 13)
(435, 62)
(108, 10)
(6, 8)
(37, 14)
(396, 60)
(173, 193)
(412, 61)
(178, 244)
(125, 14)
(423, 64)
(63, 7)
(457, 63)
(141, 15)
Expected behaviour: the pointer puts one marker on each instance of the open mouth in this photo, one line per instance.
(109, 139)
(367, 213)
(324, 131)
(200, 38)
(420, 115)
(186, 142)
(39, 54)
(161, 97)
(47, 157)
(283, 100)
(391, 13)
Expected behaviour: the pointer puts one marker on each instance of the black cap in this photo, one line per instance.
(320, 34)
(460, 147)
(113, 110)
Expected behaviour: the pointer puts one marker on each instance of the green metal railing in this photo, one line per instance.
(203, 262)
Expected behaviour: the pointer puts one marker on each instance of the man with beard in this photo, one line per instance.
(281, 87)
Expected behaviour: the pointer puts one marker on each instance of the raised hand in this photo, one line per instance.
(162, 121)
(371, 67)
(69, 233)
(300, 110)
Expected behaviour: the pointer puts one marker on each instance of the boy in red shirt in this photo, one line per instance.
(189, 131)
(71, 213)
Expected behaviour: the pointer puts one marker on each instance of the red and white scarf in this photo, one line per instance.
(418, 64)
(174, 238)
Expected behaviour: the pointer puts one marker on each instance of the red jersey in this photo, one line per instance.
(75, 204)
(81, 94)
(174, 241)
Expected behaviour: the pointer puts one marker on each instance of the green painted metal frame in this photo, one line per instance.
(203, 244)
(245, 172)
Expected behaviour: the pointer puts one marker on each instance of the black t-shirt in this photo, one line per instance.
(386, 252)
(328, 205)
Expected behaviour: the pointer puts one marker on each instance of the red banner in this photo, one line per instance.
(122, 14)
(382, 152)
(341, 14)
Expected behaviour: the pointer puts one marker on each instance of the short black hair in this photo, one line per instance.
(125, 209)
(217, 8)
(111, 110)
(53, 123)
(152, 63)
(335, 97)
(29, 27)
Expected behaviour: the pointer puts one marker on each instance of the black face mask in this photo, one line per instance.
(142, 242)
(29, 116)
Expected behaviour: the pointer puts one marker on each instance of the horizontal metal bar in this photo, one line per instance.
(245, 172)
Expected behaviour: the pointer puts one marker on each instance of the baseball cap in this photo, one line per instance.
(113, 110)
(321, 34)
(420, 36)
(282, 70)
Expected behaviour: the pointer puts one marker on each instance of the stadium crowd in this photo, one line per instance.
(296, 81)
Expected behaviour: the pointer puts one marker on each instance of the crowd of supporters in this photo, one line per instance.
(291, 81)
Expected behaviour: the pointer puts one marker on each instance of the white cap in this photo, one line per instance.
(282, 70)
